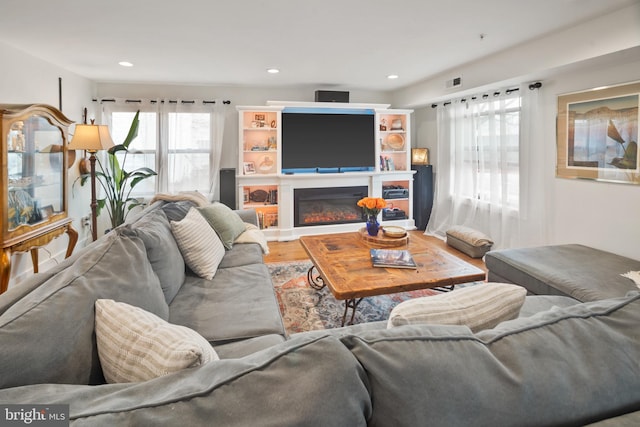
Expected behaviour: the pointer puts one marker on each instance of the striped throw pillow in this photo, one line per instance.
(199, 244)
(135, 345)
(479, 307)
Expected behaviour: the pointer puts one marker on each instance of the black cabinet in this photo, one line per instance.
(422, 195)
(228, 187)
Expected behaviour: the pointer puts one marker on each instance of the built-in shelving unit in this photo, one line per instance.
(262, 185)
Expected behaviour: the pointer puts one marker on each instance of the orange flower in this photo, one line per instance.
(372, 205)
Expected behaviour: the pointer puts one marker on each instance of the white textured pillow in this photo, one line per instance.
(199, 244)
(135, 345)
(479, 307)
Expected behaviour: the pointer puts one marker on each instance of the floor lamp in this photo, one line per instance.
(92, 138)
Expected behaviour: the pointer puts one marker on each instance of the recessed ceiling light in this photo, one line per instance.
(273, 70)
(125, 63)
(392, 76)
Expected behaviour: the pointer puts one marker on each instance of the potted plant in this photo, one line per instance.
(116, 181)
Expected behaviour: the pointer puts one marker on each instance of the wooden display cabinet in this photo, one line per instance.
(33, 191)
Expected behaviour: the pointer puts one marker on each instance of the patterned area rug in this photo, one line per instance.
(304, 308)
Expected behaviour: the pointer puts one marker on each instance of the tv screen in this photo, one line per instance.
(328, 139)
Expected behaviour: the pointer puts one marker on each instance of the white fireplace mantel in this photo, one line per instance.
(288, 183)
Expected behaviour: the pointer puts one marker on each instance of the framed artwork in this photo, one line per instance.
(597, 134)
(245, 194)
(249, 168)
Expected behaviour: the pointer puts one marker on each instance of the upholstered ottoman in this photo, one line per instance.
(577, 271)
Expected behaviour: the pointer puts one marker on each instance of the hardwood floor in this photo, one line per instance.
(293, 251)
(285, 252)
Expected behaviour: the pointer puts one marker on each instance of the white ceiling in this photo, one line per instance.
(340, 44)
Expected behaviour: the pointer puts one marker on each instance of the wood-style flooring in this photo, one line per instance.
(293, 251)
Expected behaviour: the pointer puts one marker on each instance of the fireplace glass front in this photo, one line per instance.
(326, 206)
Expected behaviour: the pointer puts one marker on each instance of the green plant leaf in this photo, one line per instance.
(133, 130)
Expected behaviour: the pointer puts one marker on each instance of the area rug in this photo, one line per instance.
(304, 308)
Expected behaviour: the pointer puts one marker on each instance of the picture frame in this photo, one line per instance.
(258, 117)
(419, 156)
(245, 194)
(249, 168)
(597, 134)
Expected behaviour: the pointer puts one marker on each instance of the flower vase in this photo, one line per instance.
(372, 225)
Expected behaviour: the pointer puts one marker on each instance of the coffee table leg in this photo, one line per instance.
(315, 282)
(353, 305)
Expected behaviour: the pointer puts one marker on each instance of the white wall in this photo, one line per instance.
(25, 79)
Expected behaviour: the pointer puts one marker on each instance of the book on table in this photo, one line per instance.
(392, 258)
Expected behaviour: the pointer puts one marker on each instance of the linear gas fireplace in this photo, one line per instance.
(324, 206)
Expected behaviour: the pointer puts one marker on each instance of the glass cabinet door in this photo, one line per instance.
(34, 171)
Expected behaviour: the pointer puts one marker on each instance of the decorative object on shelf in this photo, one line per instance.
(259, 196)
(116, 182)
(395, 141)
(383, 125)
(371, 206)
(396, 124)
(249, 168)
(266, 164)
(273, 124)
(419, 156)
(272, 143)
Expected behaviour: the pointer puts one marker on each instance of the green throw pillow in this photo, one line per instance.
(227, 224)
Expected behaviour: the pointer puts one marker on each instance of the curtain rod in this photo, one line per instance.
(225, 102)
(532, 86)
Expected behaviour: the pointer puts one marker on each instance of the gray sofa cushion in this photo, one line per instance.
(237, 349)
(242, 254)
(534, 304)
(176, 211)
(48, 335)
(238, 303)
(285, 385)
(577, 271)
(567, 366)
(162, 250)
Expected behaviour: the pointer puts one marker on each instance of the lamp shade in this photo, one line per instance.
(91, 138)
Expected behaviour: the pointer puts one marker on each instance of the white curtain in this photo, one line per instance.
(190, 152)
(487, 174)
(182, 140)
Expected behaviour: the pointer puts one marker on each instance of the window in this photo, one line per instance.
(181, 141)
(484, 140)
(189, 152)
(497, 140)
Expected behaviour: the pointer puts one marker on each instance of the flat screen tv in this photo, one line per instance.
(328, 140)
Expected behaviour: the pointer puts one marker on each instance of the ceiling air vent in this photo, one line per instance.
(454, 82)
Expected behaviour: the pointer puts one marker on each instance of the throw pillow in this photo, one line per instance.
(135, 345)
(227, 224)
(162, 250)
(479, 307)
(199, 244)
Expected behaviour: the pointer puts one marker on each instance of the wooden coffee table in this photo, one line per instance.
(343, 264)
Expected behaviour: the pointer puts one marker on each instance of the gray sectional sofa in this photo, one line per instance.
(572, 270)
(560, 363)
